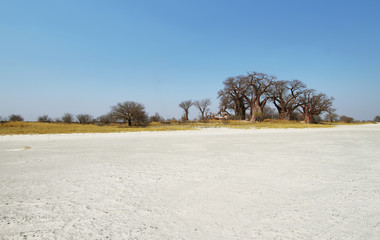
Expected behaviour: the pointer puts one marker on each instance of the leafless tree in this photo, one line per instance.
(202, 106)
(247, 91)
(331, 116)
(2, 120)
(285, 96)
(232, 97)
(130, 112)
(313, 104)
(84, 118)
(44, 118)
(68, 118)
(185, 105)
(105, 119)
(257, 85)
(156, 118)
(15, 118)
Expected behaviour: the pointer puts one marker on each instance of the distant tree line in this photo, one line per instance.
(243, 97)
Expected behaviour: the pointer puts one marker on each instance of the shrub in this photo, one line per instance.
(105, 119)
(68, 118)
(16, 118)
(84, 118)
(346, 119)
(156, 118)
(44, 118)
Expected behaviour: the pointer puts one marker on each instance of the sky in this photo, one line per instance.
(86, 56)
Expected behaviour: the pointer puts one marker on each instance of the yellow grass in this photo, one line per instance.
(12, 128)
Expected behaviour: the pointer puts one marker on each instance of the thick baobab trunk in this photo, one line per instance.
(287, 115)
(240, 111)
(308, 118)
(256, 112)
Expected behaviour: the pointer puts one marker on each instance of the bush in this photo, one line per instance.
(259, 116)
(44, 118)
(346, 119)
(67, 118)
(105, 119)
(16, 118)
(377, 118)
(84, 118)
(156, 118)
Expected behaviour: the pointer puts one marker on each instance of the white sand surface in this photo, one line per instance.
(206, 184)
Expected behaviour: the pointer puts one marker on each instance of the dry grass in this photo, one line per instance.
(12, 128)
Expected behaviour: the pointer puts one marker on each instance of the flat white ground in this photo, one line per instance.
(206, 184)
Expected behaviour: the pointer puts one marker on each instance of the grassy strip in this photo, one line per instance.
(13, 128)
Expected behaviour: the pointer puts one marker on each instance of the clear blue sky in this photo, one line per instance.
(83, 56)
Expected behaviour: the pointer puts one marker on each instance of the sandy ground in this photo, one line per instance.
(206, 184)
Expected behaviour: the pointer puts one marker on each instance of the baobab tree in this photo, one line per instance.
(202, 106)
(232, 96)
(130, 112)
(313, 104)
(285, 96)
(185, 105)
(257, 87)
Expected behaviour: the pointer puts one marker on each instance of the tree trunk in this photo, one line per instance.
(307, 118)
(257, 111)
(287, 115)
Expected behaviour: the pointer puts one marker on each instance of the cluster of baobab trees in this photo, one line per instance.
(251, 92)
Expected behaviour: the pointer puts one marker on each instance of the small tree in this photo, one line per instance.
(68, 118)
(15, 118)
(130, 112)
(202, 106)
(84, 118)
(377, 118)
(44, 118)
(156, 118)
(346, 119)
(331, 116)
(105, 119)
(185, 105)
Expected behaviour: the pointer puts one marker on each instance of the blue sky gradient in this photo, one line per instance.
(85, 56)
